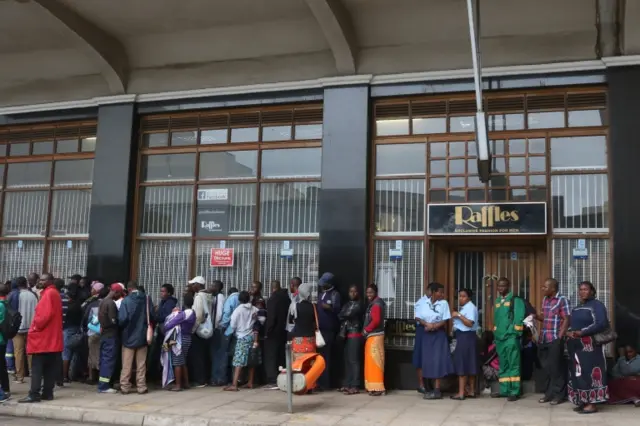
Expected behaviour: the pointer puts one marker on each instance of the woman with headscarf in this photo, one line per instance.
(588, 365)
(175, 346)
(374, 346)
(307, 364)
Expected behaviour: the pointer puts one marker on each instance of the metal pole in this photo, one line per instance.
(475, 55)
(289, 378)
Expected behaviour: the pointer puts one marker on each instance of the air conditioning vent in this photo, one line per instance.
(545, 102)
(511, 104)
(420, 109)
(392, 111)
(155, 124)
(247, 119)
(282, 117)
(214, 121)
(184, 123)
(463, 106)
(587, 100)
(307, 115)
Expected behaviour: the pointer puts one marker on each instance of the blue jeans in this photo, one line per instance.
(108, 355)
(67, 333)
(219, 358)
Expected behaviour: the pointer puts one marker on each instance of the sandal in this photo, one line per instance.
(471, 396)
(231, 389)
(578, 409)
(588, 411)
(175, 390)
(457, 397)
(544, 400)
(353, 391)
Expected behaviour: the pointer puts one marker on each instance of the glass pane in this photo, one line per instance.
(498, 165)
(462, 124)
(400, 159)
(517, 181)
(246, 134)
(437, 196)
(474, 182)
(67, 258)
(546, 120)
(16, 257)
(519, 194)
(456, 196)
(226, 210)
(168, 167)
(438, 150)
(215, 136)
(497, 194)
(594, 117)
(438, 167)
(537, 180)
(88, 144)
(3, 150)
(580, 202)
(457, 167)
(537, 164)
(498, 122)
(517, 146)
(457, 149)
(475, 195)
(184, 138)
(229, 165)
(472, 149)
(163, 261)
(304, 263)
(308, 131)
(16, 149)
(438, 183)
(166, 210)
(70, 213)
(517, 165)
(399, 205)
(538, 194)
(585, 152)
(29, 175)
(240, 275)
(66, 146)
(457, 182)
(74, 172)
(42, 148)
(497, 147)
(425, 126)
(287, 163)
(536, 146)
(392, 127)
(472, 166)
(1, 175)
(152, 140)
(25, 214)
(276, 133)
(289, 208)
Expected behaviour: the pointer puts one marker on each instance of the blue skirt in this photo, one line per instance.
(417, 347)
(465, 356)
(436, 355)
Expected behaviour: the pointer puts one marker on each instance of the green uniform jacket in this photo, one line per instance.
(508, 320)
(3, 309)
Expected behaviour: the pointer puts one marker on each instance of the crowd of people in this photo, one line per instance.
(116, 338)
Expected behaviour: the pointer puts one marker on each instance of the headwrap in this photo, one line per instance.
(304, 291)
(97, 286)
(117, 287)
(326, 278)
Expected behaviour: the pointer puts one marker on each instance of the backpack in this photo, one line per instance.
(528, 307)
(11, 323)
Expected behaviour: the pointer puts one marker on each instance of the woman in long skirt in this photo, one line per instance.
(417, 344)
(436, 355)
(374, 346)
(465, 356)
(588, 366)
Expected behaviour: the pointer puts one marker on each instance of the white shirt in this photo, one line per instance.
(242, 320)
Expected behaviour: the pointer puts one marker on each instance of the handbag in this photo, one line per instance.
(149, 326)
(320, 343)
(75, 340)
(606, 336)
(205, 330)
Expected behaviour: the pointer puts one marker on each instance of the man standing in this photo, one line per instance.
(199, 355)
(328, 309)
(276, 333)
(91, 326)
(109, 342)
(555, 322)
(132, 319)
(34, 282)
(230, 305)
(508, 320)
(45, 342)
(27, 301)
(218, 348)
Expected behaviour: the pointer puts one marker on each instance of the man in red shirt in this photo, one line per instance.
(45, 342)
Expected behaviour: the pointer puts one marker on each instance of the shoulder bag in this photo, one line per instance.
(605, 337)
(319, 339)
(205, 330)
(149, 326)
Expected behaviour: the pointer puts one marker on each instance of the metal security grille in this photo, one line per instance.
(25, 213)
(289, 208)
(19, 258)
(166, 210)
(164, 261)
(240, 275)
(580, 203)
(67, 258)
(570, 271)
(470, 270)
(400, 282)
(303, 263)
(400, 206)
(70, 213)
(241, 207)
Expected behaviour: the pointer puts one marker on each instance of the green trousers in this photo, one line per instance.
(509, 374)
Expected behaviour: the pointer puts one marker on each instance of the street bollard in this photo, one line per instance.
(289, 378)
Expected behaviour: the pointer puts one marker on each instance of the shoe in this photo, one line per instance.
(29, 400)
(421, 390)
(544, 400)
(203, 385)
(47, 398)
(270, 386)
(109, 391)
(144, 392)
(556, 402)
(496, 395)
(436, 394)
(512, 398)
(18, 382)
(457, 397)
(578, 409)
(4, 398)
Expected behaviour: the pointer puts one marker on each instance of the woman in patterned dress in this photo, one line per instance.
(374, 346)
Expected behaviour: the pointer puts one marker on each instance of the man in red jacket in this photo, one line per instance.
(45, 342)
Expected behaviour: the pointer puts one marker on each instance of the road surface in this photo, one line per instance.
(25, 421)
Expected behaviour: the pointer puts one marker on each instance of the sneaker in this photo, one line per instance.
(109, 391)
(204, 385)
(270, 386)
(4, 398)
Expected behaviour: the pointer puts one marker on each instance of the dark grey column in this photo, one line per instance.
(112, 195)
(344, 207)
(624, 160)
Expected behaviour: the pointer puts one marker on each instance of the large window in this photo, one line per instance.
(45, 176)
(243, 184)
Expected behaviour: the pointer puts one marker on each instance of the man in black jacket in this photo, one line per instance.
(109, 342)
(276, 333)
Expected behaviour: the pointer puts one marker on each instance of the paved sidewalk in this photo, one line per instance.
(211, 406)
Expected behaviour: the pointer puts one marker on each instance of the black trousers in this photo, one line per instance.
(4, 375)
(274, 356)
(45, 370)
(326, 351)
(353, 356)
(199, 361)
(552, 360)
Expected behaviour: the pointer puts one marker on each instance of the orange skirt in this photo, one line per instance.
(374, 364)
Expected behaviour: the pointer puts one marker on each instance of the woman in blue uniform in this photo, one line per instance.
(465, 356)
(419, 311)
(436, 356)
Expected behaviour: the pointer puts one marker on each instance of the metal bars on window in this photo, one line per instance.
(278, 263)
(580, 203)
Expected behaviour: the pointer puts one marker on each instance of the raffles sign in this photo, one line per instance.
(212, 216)
(487, 219)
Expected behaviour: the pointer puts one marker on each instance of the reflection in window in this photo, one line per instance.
(431, 125)
(29, 175)
(43, 148)
(546, 120)
(184, 138)
(462, 124)
(237, 200)
(308, 131)
(151, 140)
(66, 146)
(215, 136)
(399, 205)
(276, 133)
(74, 172)
(580, 202)
(245, 134)
(392, 127)
(229, 165)
(586, 118)
(88, 144)
(405, 159)
(166, 210)
(25, 214)
(70, 213)
(289, 208)
(287, 163)
(168, 167)
(499, 122)
(584, 152)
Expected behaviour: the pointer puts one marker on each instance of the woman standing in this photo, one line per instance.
(351, 329)
(242, 324)
(465, 356)
(588, 367)
(178, 326)
(436, 355)
(374, 346)
(419, 312)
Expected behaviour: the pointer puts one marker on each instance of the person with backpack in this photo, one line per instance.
(199, 357)
(5, 321)
(91, 328)
(509, 314)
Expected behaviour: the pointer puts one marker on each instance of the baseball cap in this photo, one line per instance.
(198, 280)
(117, 287)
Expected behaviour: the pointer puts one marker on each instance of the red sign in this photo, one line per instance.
(221, 257)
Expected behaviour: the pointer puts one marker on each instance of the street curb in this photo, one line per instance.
(46, 411)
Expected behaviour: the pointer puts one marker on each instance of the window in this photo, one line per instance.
(579, 153)
(239, 181)
(580, 203)
(46, 199)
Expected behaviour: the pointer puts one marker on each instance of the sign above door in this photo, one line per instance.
(487, 219)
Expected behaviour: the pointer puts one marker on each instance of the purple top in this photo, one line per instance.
(186, 322)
